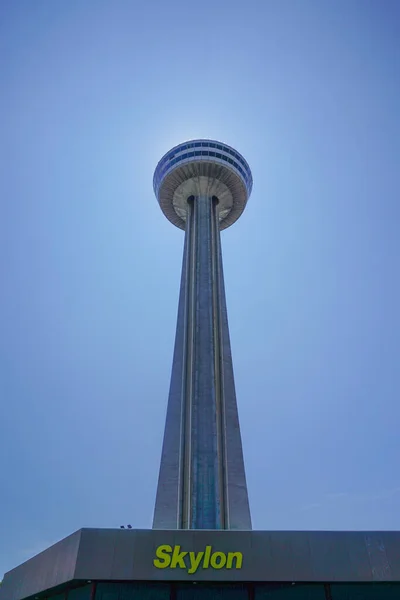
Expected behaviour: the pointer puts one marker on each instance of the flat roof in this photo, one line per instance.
(214, 556)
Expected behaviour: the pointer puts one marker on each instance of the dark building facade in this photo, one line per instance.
(112, 564)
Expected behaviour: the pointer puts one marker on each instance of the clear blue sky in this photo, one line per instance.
(92, 94)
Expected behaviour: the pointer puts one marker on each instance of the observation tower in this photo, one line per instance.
(202, 186)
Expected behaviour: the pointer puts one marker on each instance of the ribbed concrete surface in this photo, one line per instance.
(202, 482)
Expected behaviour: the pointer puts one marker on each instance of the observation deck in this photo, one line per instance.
(202, 168)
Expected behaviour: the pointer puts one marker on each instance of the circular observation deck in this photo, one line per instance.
(202, 168)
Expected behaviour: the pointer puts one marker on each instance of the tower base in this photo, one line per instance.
(114, 564)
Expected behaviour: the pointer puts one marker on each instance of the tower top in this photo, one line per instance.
(202, 167)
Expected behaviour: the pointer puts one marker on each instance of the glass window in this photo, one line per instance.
(212, 145)
(197, 153)
(230, 161)
(204, 144)
(204, 153)
(219, 147)
(199, 591)
(218, 155)
(80, 593)
(132, 591)
(366, 591)
(190, 154)
(288, 591)
(212, 153)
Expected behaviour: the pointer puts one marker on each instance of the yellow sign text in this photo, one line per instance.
(173, 557)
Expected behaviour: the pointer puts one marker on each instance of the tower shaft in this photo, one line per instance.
(202, 482)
